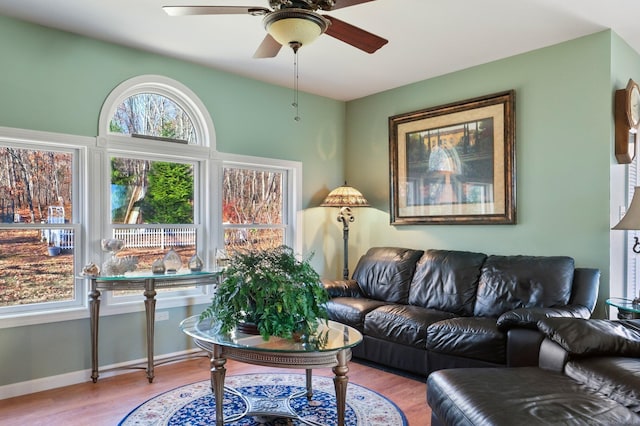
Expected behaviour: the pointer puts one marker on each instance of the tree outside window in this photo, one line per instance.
(152, 208)
(153, 115)
(253, 208)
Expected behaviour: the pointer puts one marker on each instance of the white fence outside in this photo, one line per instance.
(62, 238)
(156, 237)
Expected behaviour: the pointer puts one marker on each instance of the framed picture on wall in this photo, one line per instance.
(455, 163)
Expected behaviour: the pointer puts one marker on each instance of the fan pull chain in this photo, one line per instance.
(295, 85)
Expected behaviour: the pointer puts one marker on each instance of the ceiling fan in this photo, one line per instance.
(294, 23)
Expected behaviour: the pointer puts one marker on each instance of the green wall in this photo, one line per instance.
(55, 81)
(563, 144)
(625, 64)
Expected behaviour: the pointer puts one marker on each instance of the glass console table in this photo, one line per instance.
(148, 283)
(627, 309)
(330, 348)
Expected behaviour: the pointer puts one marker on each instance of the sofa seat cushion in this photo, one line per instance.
(519, 396)
(351, 310)
(615, 377)
(447, 280)
(403, 324)
(512, 282)
(469, 337)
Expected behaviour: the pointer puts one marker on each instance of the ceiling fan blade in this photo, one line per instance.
(341, 4)
(354, 36)
(215, 10)
(269, 48)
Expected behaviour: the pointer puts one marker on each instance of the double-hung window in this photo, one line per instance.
(254, 207)
(156, 168)
(154, 207)
(40, 229)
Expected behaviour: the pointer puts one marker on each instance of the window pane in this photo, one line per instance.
(28, 274)
(150, 114)
(252, 197)
(149, 244)
(33, 180)
(144, 192)
(35, 188)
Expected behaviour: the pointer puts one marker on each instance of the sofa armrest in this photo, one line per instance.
(586, 283)
(529, 317)
(580, 337)
(523, 347)
(342, 288)
(553, 357)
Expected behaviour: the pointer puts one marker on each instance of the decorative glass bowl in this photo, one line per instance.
(172, 262)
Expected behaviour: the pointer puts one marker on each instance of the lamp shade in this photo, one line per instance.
(345, 196)
(296, 26)
(631, 219)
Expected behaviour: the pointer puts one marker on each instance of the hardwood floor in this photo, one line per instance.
(109, 400)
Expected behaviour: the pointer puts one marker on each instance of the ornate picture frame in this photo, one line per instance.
(455, 163)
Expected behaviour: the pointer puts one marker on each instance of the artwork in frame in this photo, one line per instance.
(455, 163)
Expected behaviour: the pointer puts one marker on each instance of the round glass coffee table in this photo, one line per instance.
(330, 347)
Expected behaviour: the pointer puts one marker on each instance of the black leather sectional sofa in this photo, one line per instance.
(589, 374)
(425, 310)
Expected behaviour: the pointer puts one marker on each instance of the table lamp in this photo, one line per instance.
(631, 222)
(345, 197)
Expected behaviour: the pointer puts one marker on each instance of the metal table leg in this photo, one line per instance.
(150, 311)
(94, 315)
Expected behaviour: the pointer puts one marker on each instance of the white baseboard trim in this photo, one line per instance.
(75, 377)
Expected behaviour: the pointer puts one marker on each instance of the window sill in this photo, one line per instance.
(82, 312)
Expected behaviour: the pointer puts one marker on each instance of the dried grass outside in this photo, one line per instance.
(28, 275)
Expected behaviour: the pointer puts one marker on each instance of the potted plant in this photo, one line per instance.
(271, 288)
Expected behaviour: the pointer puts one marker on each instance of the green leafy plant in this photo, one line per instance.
(271, 288)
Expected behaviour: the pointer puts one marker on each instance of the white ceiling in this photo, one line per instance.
(427, 38)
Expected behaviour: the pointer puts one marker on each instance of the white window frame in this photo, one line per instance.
(292, 196)
(174, 297)
(198, 155)
(91, 201)
(38, 313)
(172, 89)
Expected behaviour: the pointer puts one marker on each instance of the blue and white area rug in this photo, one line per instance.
(194, 404)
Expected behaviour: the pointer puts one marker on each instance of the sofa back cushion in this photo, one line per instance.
(384, 273)
(447, 280)
(512, 282)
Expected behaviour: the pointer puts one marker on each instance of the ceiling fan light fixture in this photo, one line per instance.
(295, 26)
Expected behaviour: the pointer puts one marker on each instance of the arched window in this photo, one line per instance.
(156, 108)
(153, 116)
(157, 138)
